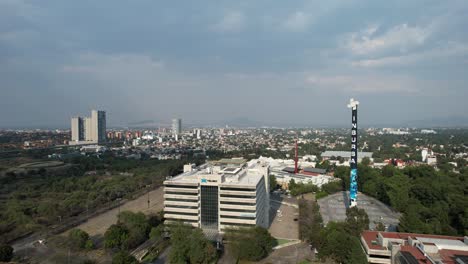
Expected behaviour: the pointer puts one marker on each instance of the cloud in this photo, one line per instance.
(19, 37)
(114, 66)
(231, 22)
(433, 56)
(296, 22)
(401, 38)
(365, 83)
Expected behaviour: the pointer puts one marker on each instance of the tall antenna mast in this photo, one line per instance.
(353, 186)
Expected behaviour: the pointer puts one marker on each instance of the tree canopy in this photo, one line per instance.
(251, 244)
(431, 201)
(6, 253)
(189, 245)
(79, 239)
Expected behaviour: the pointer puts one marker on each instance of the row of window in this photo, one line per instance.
(181, 200)
(236, 189)
(181, 206)
(252, 217)
(182, 213)
(234, 225)
(174, 221)
(238, 203)
(181, 193)
(238, 196)
(237, 210)
(181, 186)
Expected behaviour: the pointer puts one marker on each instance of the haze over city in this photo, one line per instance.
(221, 62)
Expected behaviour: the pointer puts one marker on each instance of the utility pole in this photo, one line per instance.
(296, 158)
(148, 200)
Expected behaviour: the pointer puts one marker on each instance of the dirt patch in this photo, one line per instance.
(98, 225)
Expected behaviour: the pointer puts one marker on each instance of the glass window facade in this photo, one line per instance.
(209, 207)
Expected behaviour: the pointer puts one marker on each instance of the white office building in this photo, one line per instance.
(217, 197)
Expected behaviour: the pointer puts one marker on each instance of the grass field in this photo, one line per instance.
(280, 241)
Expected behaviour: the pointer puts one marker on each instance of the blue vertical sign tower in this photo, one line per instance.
(353, 186)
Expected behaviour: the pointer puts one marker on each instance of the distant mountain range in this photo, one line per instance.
(244, 122)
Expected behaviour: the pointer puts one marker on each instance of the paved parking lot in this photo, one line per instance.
(333, 208)
(290, 255)
(283, 215)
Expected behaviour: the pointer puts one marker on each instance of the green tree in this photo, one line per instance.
(137, 226)
(341, 246)
(250, 243)
(115, 235)
(356, 221)
(156, 232)
(189, 245)
(292, 184)
(273, 182)
(89, 244)
(6, 253)
(398, 191)
(78, 238)
(201, 250)
(123, 257)
(365, 161)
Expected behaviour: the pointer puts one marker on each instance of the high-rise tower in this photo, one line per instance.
(77, 129)
(98, 120)
(86, 130)
(176, 126)
(353, 186)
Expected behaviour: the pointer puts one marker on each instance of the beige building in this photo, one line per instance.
(215, 198)
(77, 129)
(89, 130)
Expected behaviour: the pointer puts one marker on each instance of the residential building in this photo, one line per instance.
(346, 155)
(89, 130)
(218, 197)
(176, 126)
(98, 119)
(77, 129)
(409, 248)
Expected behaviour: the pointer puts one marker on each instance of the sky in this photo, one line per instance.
(269, 62)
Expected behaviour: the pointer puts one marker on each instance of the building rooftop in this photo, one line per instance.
(315, 170)
(446, 249)
(245, 174)
(345, 154)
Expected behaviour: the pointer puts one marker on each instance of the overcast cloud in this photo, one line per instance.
(275, 62)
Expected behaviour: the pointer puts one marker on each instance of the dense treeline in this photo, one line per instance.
(41, 198)
(131, 230)
(189, 245)
(337, 241)
(432, 201)
(326, 189)
(252, 244)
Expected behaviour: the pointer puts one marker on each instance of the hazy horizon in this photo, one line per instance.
(265, 62)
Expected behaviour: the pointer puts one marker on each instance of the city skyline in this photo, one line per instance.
(270, 63)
